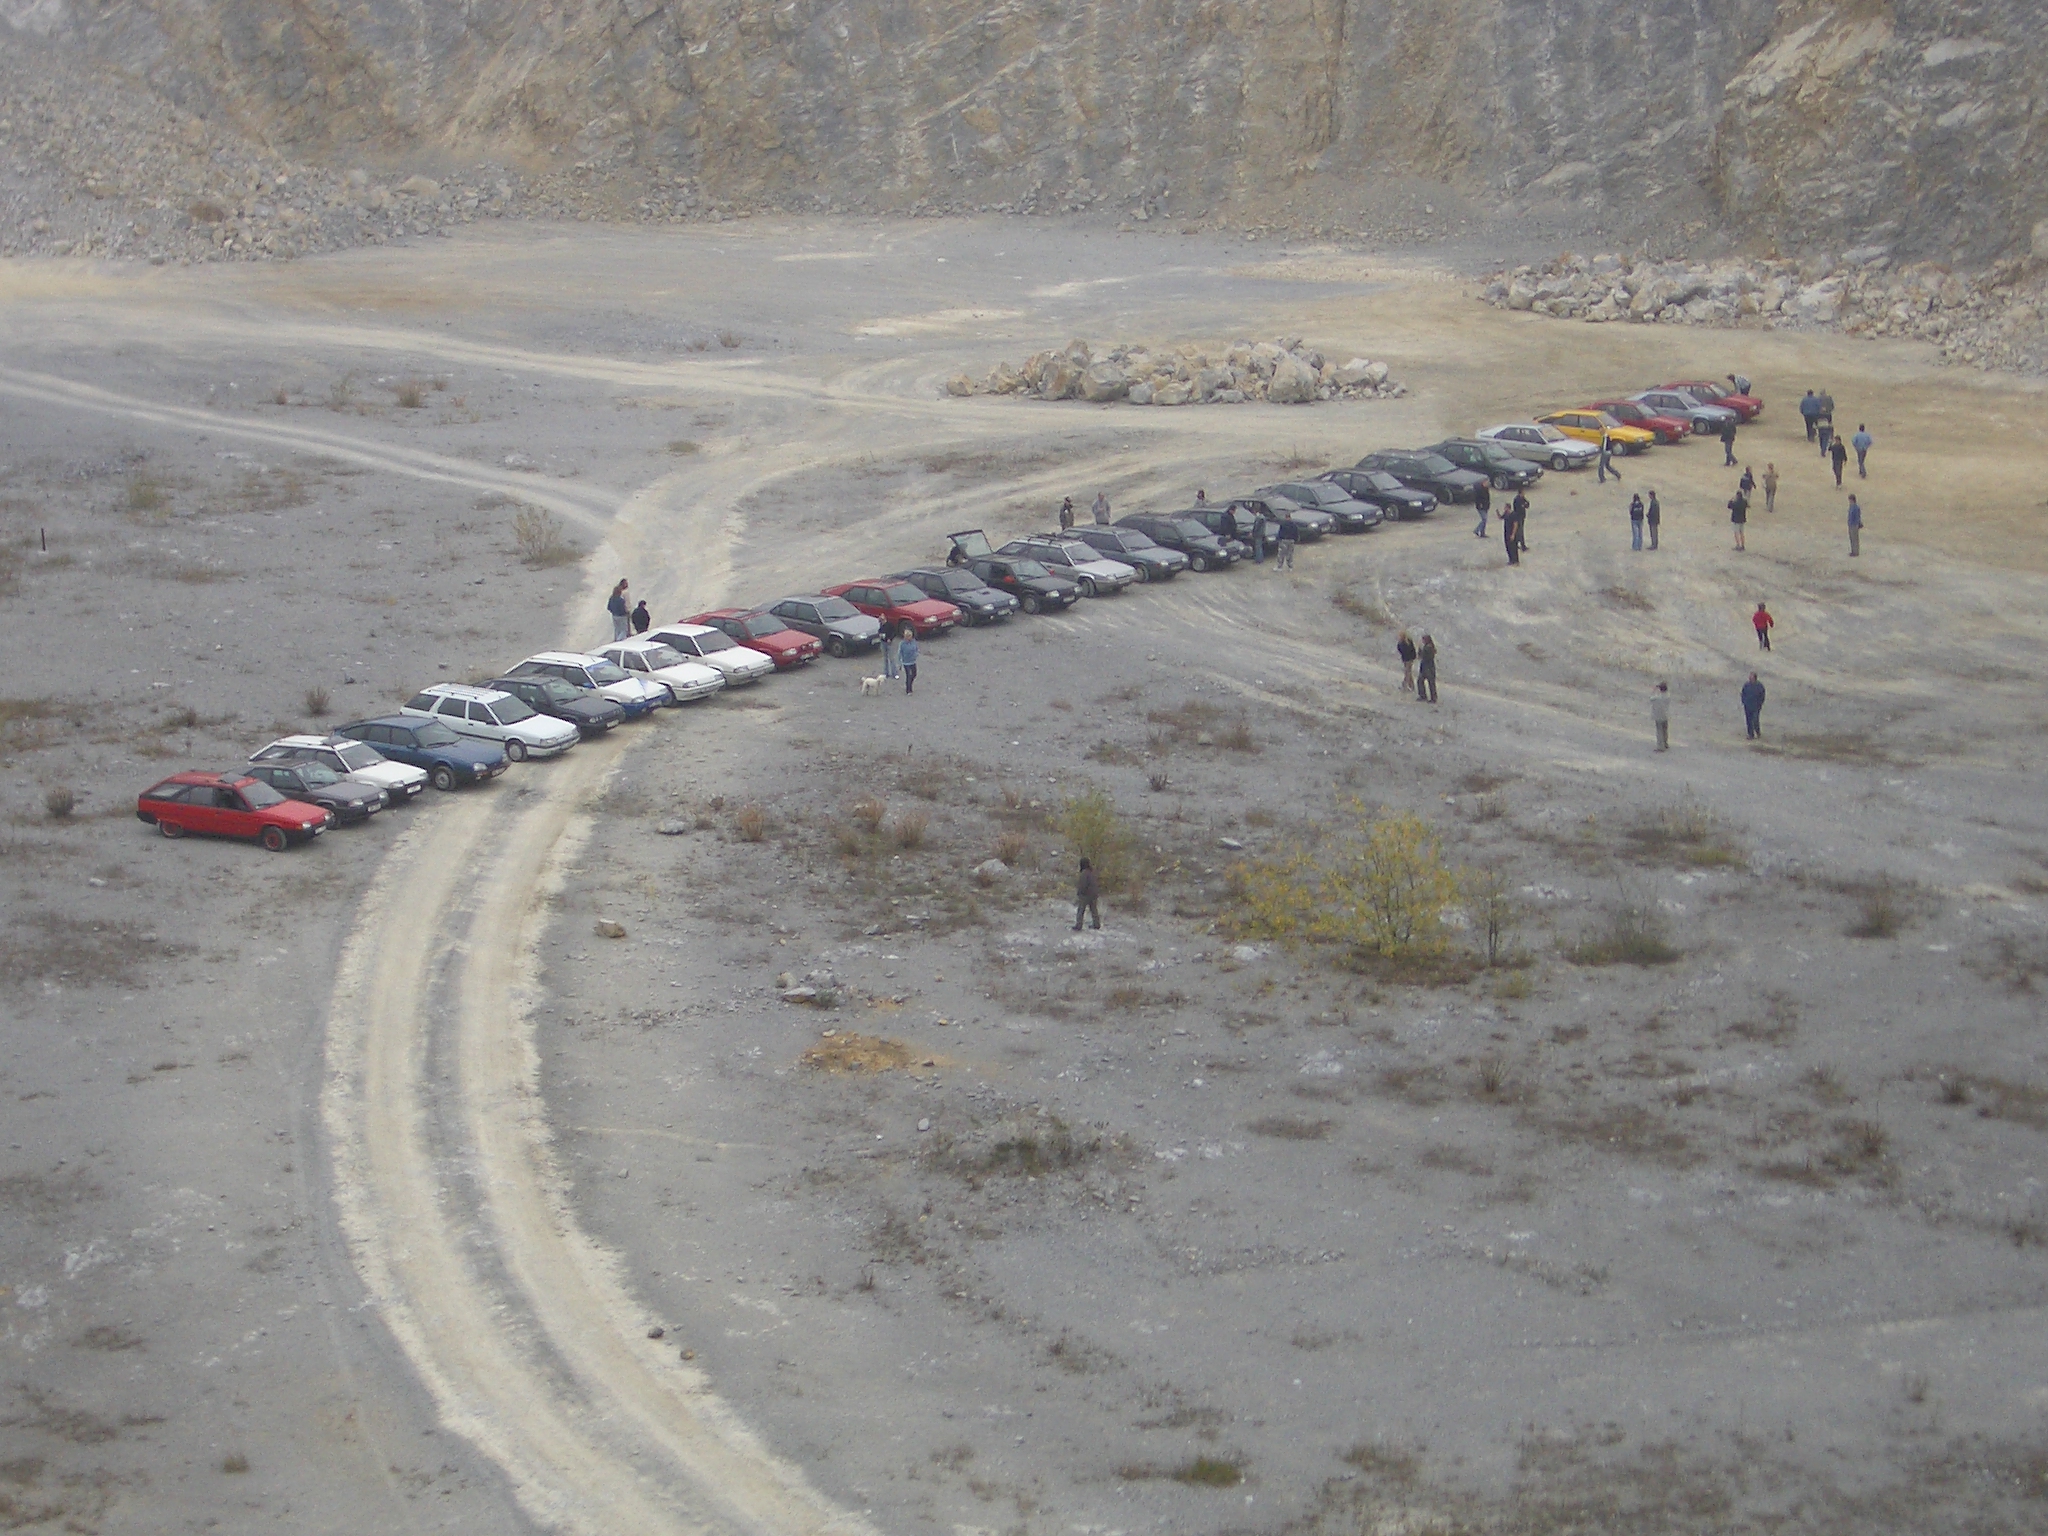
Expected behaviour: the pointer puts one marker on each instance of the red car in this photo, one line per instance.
(765, 633)
(230, 805)
(1748, 407)
(1630, 413)
(897, 603)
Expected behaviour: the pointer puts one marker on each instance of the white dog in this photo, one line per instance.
(872, 684)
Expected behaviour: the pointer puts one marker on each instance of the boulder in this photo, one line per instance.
(424, 187)
(605, 928)
(1265, 357)
(1140, 393)
(1209, 380)
(959, 385)
(988, 871)
(1520, 295)
(1061, 379)
(1352, 373)
(1376, 374)
(1077, 352)
(1104, 382)
(1293, 382)
(1178, 392)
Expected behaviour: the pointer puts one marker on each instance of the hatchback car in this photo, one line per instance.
(1071, 560)
(843, 628)
(1352, 515)
(897, 603)
(1588, 427)
(1152, 561)
(350, 799)
(635, 694)
(449, 759)
(1200, 533)
(488, 715)
(784, 647)
(1503, 471)
(401, 782)
(977, 602)
(230, 805)
(686, 681)
(1667, 429)
(591, 713)
(1676, 402)
(1382, 490)
(1422, 470)
(715, 648)
(1540, 444)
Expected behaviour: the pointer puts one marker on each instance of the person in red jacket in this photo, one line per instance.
(1763, 621)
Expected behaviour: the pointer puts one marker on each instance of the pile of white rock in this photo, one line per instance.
(1283, 372)
(1993, 319)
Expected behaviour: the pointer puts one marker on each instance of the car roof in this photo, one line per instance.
(566, 658)
(301, 740)
(684, 629)
(409, 722)
(475, 691)
(640, 644)
(204, 776)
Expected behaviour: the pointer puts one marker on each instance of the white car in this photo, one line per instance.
(351, 759)
(685, 680)
(1540, 444)
(493, 715)
(631, 691)
(715, 648)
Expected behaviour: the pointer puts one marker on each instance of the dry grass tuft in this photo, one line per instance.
(410, 394)
(1291, 1128)
(538, 537)
(1633, 935)
(869, 811)
(857, 1053)
(59, 801)
(751, 823)
(316, 702)
(1011, 847)
(910, 829)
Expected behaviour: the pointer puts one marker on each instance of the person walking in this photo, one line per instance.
(642, 619)
(1066, 513)
(1770, 487)
(1738, 514)
(1405, 649)
(1521, 522)
(1283, 550)
(1827, 414)
(1747, 484)
(1861, 443)
(1764, 624)
(1101, 509)
(906, 653)
(1653, 515)
(1258, 538)
(1635, 521)
(1660, 715)
(1855, 526)
(1087, 893)
(1425, 673)
(620, 610)
(892, 644)
(1728, 443)
(1607, 457)
(1809, 412)
(1511, 527)
(1839, 456)
(1753, 707)
(1482, 502)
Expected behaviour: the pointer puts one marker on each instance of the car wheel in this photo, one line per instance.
(1087, 586)
(1144, 573)
(1031, 602)
(515, 750)
(1198, 562)
(274, 839)
(834, 646)
(443, 776)
(1503, 482)
(1558, 461)
(170, 829)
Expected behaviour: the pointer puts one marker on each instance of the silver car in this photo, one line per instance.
(1540, 444)
(1084, 566)
(1704, 415)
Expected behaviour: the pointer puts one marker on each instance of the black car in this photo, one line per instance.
(591, 713)
(1308, 523)
(1376, 486)
(978, 604)
(1352, 515)
(1152, 560)
(1423, 470)
(1187, 533)
(1036, 588)
(843, 627)
(1504, 471)
(449, 759)
(349, 799)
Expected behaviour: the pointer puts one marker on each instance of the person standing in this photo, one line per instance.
(1753, 707)
(1425, 674)
(642, 619)
(1839, 455)
(1482, 501)
(907, 654)
(1770, 487)
(1653, 515)
(1764, 623)
(1283, 550)
(1066, 513)
(1405, 649)
(1825, 434)
(1728, 443)
(1827, 412)
(1511, 527)
(1635, 521)
(1258, 538)
(1855, 526)
(891, 658)
(1087, 893)
(1747, 484)
(1201, 497)
(1521, 522)
(1809, 412)
(620, 610)
(1660, 715)
(1738, 514)
(1101, 509)
(1607, 457)
(1861, 443)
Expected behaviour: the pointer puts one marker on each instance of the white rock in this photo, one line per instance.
(419, 186)
(1294, 382)
(1140, 393)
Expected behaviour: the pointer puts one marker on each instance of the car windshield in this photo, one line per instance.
(606, 672)
(1550, 434)
(762, 625)
(435, 734)
(903, 592)
(1435, 463)
(559, 692)
(317, 775)
(510, 711)
(1188, 528)
(1380, 480)
(1605, 420)
(260, 795)
(959, 581)
(1132, 543)
(831, 608)
(1030, 570)
(658, 656)
(355, 756)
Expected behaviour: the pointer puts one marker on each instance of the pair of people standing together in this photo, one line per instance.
(1641, 517)
(899, 654)
(1421, 683)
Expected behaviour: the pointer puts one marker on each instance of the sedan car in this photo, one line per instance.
(1588, 426)
(1309, 523)
(1380, 489)
(1036, 589)
(1072, 560)
(635, 694)
(449, 759)
(1667, 429)
(978, 604)
(1540, 444)
(686, 681)
(1676, 402)
(488, 715)
(230, 805)
(1186, 533)
(1503, 471)
(1152, 561)
(1352, 515)
(401, 782)
(764, 632)
(1421, 470)
(1707, 392)
(591, 713)
(350, 799)
(741, 664)
(843, 628)
(897, 603)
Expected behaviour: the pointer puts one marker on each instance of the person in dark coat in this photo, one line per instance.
(1653, 515)
(1738, 514)
(1635, 521)
(1747, 484)
(1425, 672)
(1728, 443)
(1753, 707)
(1405, 649)
(1521, 510)
(1510, 528)
(1838, 455)
(642, 619)
(622, 614)
(1087, 891)
(1809, 410)
(1482, 501)
(1066, 513)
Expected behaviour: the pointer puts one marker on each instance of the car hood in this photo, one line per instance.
(389, 774)
(859, 624)
(599, 708)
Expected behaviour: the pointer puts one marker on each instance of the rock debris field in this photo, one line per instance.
(1282, 372)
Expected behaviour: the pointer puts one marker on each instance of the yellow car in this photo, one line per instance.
(1587, 426)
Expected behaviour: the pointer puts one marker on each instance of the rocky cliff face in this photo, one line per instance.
(1805, 123)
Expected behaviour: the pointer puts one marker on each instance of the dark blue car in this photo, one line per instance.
(449, 759)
